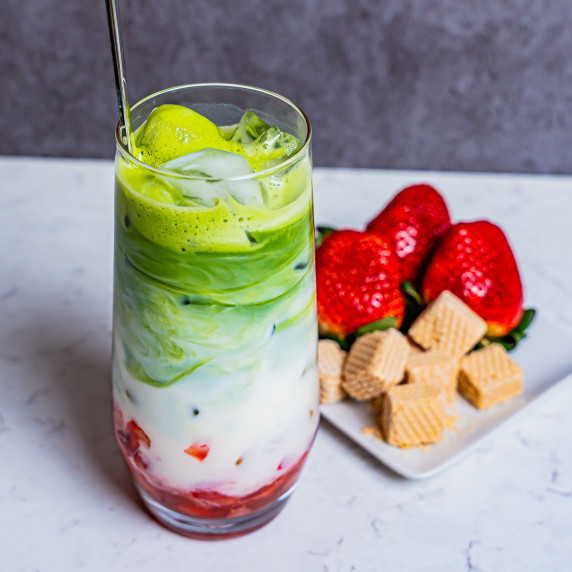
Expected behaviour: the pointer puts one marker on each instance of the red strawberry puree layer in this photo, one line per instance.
(200, 503)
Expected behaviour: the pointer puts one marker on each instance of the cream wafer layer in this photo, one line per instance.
(448, 325)
(434, 367)
(331, 394)
(489, 376)
(377, 404)
(330, 366)
(375, 363)
(413, 347)
(413, 415)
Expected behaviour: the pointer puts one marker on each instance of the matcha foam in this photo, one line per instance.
(185, 214)
(172, 131)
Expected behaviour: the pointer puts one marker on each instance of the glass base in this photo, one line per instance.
(213, 528)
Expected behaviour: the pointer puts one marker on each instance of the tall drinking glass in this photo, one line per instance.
(215, 384)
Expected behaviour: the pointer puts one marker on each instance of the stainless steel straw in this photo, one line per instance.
(120, 79)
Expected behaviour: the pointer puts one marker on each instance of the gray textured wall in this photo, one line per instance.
(443, 84)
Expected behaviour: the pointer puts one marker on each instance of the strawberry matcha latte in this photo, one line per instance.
(215, 380)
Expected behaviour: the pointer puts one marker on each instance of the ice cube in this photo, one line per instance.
(271, 148)
(249, 128)
(227, 131)
(217, 165)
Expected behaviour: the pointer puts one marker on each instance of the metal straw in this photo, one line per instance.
(120, 79)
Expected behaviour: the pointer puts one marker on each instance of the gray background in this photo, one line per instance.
(443, 84)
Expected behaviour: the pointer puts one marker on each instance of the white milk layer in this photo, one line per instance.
(257, 422)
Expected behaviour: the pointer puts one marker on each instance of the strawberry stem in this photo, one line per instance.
(414, 305)
(321, 233)
(511, 340)
(410, 290)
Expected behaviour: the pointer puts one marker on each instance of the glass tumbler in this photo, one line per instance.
(215, 384)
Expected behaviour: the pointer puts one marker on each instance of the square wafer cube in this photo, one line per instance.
(376, 404)
(448, 325)
(375, 363)
(434, 367)
(489, 376)
(413, 414)
(331, 360)
(413, 347)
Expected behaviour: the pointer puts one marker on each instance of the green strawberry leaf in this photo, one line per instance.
(414, 305)
(321, 233)
(412, 292)
(379, 326)
(526, 320)
(347, 342)
(511, 340)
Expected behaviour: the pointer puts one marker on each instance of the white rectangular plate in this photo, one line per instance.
(546, 359)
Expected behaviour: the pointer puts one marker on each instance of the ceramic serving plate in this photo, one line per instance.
(546, 359)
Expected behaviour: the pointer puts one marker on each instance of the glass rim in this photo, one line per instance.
(172, 174)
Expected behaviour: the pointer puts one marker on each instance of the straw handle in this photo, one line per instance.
(119, 69)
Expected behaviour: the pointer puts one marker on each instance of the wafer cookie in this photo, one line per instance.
(413, 347)
(489, 376)
(376, 404)
(434, 367)
(448, 325)
(375, 363)
(330, 366)
(413, 414)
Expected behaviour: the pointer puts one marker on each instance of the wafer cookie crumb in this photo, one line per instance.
(373, 431)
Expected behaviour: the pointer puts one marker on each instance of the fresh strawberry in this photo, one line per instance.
(358, 282)
(133, 436)
(141, 460)
(413, 221)
(198, 450)
(138, 434)
(475, 262)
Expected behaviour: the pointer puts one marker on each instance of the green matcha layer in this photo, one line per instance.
(209, 269)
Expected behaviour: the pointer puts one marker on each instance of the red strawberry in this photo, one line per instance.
(475, 262)
(137, 434)
(358, 282)
(414, 220)
(198, 450)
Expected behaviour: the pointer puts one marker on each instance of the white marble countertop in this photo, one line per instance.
(66, 503)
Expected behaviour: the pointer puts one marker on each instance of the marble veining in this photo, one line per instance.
(66, 502)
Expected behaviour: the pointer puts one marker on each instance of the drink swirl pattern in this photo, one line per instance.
(214, 368)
